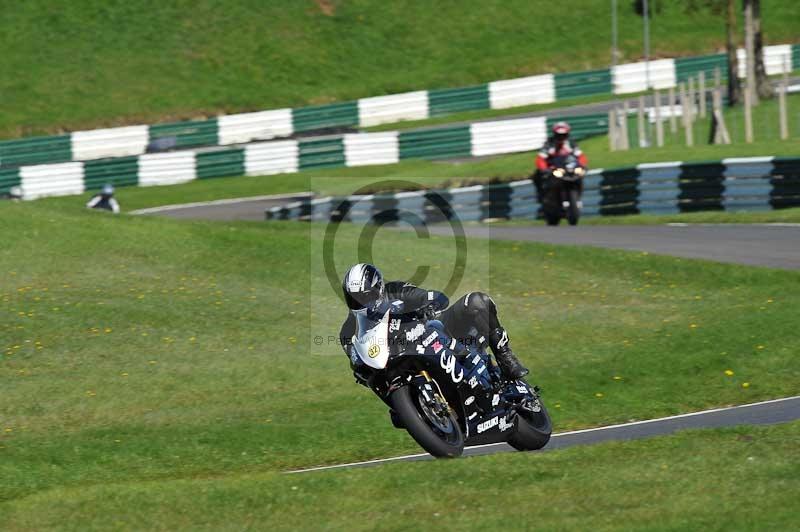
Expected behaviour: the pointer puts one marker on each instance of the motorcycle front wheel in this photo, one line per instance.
(440, 435)
(533, 430)
(573, 211)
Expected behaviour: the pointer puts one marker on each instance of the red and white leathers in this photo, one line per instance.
(555, 149)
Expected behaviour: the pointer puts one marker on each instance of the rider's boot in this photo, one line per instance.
(509, 363)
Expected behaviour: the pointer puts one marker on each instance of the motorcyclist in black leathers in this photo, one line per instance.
(471, 319)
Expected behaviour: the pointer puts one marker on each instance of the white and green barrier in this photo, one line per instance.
(754, 183)
(289, 156)
(281, 123)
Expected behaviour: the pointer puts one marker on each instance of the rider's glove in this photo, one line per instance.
(360, 371)
(429, 312)
(361, 378)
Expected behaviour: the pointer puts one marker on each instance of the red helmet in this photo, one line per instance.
(561, 131)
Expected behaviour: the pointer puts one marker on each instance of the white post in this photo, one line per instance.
(748, 116)
(687, 124)
(690, 97)
(673, 120)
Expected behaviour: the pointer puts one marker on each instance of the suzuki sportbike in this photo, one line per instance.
(443, 398)
(563, 188)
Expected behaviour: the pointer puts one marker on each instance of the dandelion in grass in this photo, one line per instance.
(729, 373)
(599, 395)
(745, 385)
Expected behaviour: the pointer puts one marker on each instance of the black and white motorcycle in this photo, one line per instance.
(444, 399)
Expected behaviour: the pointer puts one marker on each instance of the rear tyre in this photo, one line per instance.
(532, 431)
(573, 211)
(439, 435)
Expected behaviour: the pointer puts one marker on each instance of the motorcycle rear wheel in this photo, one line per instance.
(533, 430)
(440, 436)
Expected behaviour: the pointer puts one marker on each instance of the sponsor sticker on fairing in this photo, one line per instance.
(486, 425)
(473, 382)
(448, 364)
(504, 425)
(428, 339)
(437, 346)
(415, 333)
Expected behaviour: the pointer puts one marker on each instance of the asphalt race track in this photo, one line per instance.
(763, 413)
(774, 245)
(251, 209)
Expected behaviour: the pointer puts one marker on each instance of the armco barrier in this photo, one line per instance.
(279, 123)
(659, 188)
(287, 156)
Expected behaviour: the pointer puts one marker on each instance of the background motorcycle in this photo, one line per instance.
(563, 188)
(445, 399)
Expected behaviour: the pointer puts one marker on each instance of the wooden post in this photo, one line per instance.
(687, 124)
(673, 120)
(717, 78)
(784, 117)
(782, 110)
(659, 123)
(612, 130)
(750, 50)
(640, 123)
(701, 81)
(623, 130)
(720, 131)
(691, 100)
(748, 116)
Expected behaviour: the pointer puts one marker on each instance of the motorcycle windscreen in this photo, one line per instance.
(371, 341)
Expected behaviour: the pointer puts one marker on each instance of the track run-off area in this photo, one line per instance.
(769, 245)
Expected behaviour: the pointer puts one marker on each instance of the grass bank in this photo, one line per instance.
(693, 480)
(142, 350)
(80, 65)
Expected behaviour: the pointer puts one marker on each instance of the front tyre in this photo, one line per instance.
(573, 211)
(438, 434)
(532, 430)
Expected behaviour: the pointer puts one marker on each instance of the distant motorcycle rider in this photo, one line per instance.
(104, 200)
(558, 146)
(472, 317)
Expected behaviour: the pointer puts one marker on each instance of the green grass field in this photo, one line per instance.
(151, 363)
(743, 478)
(80, 65)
